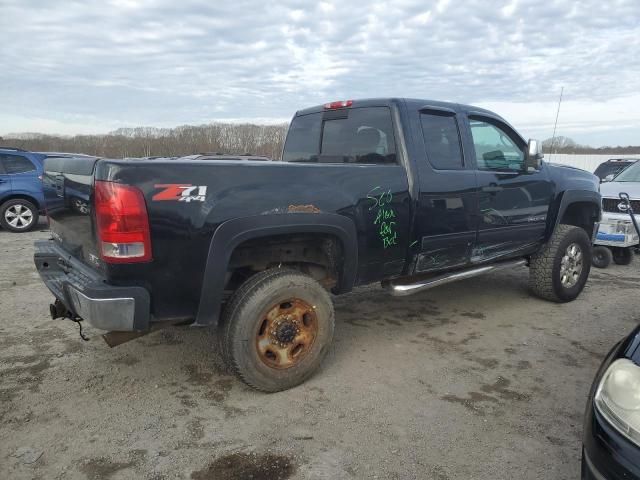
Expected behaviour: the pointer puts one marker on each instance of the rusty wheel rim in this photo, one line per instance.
(286, 333)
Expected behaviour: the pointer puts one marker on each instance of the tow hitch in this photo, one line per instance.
(57, 309)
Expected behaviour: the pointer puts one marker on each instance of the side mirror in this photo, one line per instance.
(534, 155)
(608, 178)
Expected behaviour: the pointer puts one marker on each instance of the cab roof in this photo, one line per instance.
(411, 103)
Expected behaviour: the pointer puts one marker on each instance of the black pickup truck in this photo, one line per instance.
(410, 193)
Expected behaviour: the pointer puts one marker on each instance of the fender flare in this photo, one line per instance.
(25, 195)
(233, 232)
(570, 197)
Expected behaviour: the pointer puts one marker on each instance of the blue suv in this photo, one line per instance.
(21, 198)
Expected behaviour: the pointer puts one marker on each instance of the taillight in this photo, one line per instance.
(122, 223)
(338, 104)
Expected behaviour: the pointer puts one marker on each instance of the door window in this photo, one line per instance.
(16, 164)
(495, 148)
(442, 141)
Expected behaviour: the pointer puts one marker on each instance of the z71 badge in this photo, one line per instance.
(180, 192)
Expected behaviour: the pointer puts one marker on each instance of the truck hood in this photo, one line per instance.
(576, 178)
(613, 189)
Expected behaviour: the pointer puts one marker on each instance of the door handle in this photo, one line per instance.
(492, 189)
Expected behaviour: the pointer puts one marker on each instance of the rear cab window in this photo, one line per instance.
(352, 135)
(14, 164)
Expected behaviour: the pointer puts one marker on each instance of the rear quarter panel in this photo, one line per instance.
(181, 231)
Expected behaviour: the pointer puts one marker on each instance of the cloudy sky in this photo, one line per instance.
(78, 66)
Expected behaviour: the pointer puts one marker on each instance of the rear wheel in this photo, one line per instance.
(18, 215)
(560, 270)
(276, 329)
(601, 257)
(622, 256)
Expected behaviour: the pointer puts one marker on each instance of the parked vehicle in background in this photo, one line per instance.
(606, 171)
(21, 197)
(410, 193)
(617, 235)
(611, 439)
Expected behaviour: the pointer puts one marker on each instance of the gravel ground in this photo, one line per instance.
(474, 380)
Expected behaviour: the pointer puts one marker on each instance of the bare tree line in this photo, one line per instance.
(264, 140)
(567, 145)
(231, 138)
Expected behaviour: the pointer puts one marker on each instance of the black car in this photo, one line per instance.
(613, 167)
(611, 444)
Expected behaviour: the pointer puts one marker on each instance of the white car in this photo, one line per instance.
(617, 234)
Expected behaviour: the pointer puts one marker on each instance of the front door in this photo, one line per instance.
(513, 200)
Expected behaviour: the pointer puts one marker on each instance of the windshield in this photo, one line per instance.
(631, 174)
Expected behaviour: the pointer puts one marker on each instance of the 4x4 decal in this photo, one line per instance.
(180, 192)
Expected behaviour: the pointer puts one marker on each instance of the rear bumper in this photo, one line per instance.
(85, 293)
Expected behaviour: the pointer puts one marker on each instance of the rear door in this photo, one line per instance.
(445, 226)
(513, 201)
(5, 181)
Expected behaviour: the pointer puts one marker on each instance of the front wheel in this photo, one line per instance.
(622, 255)
(560, 270)
(276, 329)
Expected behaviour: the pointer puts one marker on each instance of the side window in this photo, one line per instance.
(16, 164)
(442, 141)
(495, 149)
(355, 135)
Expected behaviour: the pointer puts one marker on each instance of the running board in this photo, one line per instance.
(400, 289)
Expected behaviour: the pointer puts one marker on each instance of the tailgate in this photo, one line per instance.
(68, 188)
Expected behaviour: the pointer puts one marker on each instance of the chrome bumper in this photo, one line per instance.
(86, 295)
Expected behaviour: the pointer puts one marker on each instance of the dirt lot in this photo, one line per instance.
(475, 380)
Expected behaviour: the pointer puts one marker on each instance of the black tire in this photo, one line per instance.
(546, 265)
(601, 256)
(622, 255)
(13, 217)
(245, 320)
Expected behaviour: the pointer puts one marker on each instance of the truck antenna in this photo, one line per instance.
(555, 125)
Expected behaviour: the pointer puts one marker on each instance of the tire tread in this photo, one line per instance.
(541, 265)
(255, 286)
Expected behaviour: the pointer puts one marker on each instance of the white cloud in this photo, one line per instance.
(296, 15)
(160, 62)
(509, 9)
(580, 119)
(442, 5)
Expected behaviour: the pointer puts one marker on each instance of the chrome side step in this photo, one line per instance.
(400, 289)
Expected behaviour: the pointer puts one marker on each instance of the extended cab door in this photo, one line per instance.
(513, 201)
(445, 226)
